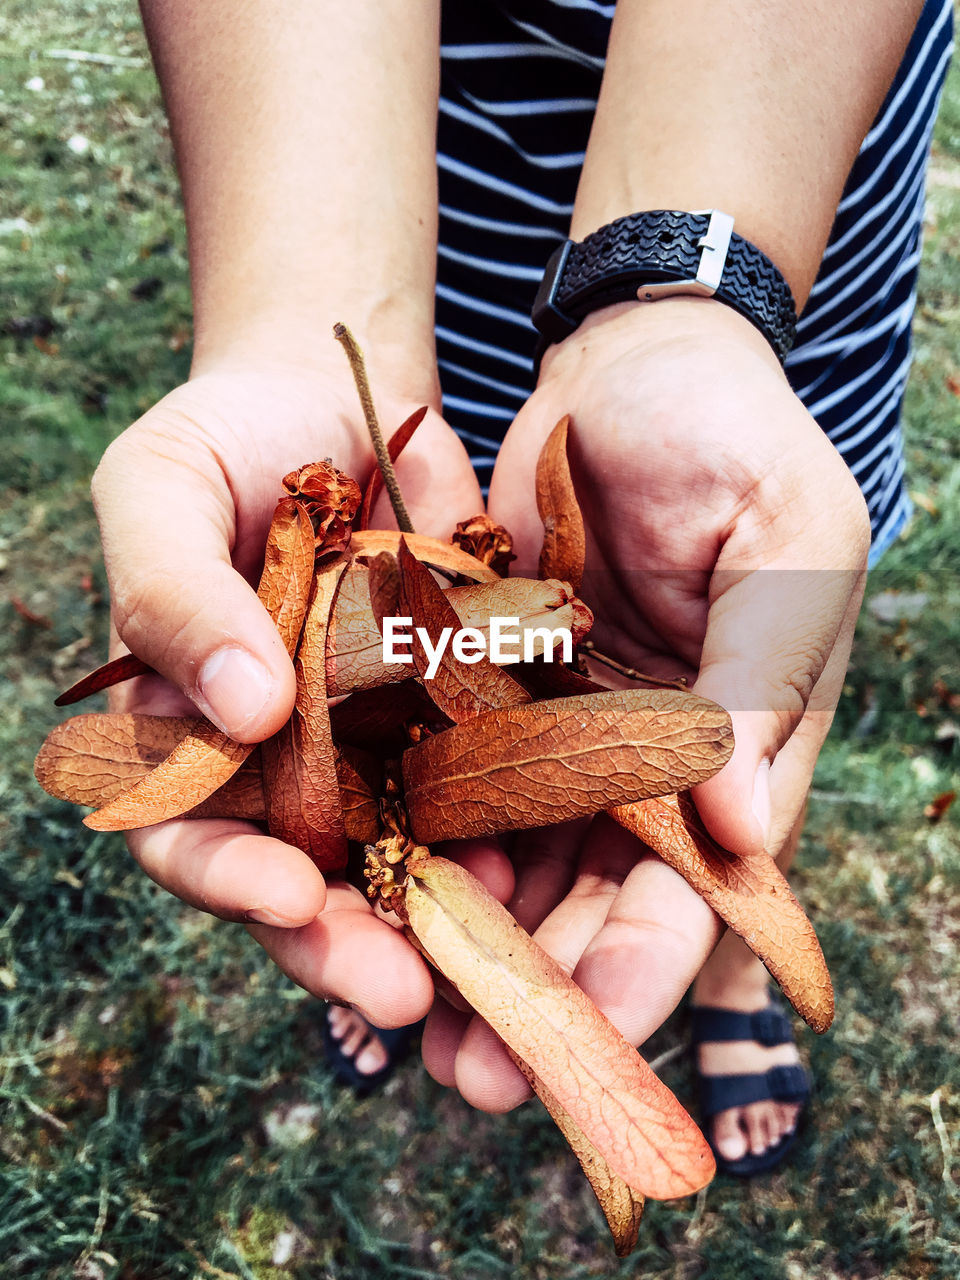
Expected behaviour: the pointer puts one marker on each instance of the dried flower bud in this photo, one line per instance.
(490, 543)
(331, 500)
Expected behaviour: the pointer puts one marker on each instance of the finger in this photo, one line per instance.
(486, 859)
(231, 870)
(349, 954)
(167, 526)
(442, 1036)
(799, 654)
(657, 934)
(545, 861)
(792, 772)
(485, 1074)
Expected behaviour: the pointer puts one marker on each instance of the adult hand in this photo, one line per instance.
(184, 498)
(726, 541)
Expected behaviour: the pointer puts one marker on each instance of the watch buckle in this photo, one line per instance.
(715, 244)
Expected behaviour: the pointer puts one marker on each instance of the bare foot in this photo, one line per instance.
(357, 1040)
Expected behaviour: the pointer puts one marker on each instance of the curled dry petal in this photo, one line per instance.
(610, 1094)
(527, 766)
(330, 499)
(749, 893)
(204, 760)
(90, 759)
(564, 541)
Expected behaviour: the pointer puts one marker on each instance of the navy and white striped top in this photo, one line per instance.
(519, 85)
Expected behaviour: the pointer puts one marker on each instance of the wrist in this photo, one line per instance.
(673, 330)
(291, 344)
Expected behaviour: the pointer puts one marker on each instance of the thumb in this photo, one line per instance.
(167, 524)
(770, 634)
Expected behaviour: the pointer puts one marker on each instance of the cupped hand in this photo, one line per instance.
(184, 498)
(726, 542)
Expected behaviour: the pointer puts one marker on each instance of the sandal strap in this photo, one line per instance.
(768, 1026)
(782, 1084)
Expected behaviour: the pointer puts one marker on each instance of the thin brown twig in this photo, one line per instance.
(631, 673)
(359, 370)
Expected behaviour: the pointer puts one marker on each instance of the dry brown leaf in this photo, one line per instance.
(622, 1206)
(749, 893)
(370, 542)
(601, 1082)
(564, 541)
(310, 724)
(355, 643)
(204, 760)
(548, 761)
(395, 446)
(90, 759)
(461, 690)
(114, 672)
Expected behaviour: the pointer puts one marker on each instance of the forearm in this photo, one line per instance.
(756, 107)
(304, 136)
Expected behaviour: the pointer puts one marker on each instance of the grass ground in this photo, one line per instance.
(166, 1110)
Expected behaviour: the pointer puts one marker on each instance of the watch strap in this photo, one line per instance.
(661, 253)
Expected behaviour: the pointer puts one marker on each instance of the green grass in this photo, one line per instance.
(166, 1110)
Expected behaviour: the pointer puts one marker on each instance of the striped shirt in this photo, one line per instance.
(519, 85)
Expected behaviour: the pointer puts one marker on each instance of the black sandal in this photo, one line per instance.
(789, 1083)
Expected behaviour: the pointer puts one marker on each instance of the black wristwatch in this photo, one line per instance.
(659, 254)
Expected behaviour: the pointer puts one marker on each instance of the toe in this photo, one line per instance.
(728, 1134)
(371, 1058)
(755, 1120)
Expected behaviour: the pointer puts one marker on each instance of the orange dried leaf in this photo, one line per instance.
(395, 446)
(312, 738)
(206, 758)
(564, 541)
(360, 776)
(288, 570)
(355, 644)
(611, 1095)
(90, 759)
(197, 767)
(749, 893)
(548, 761)
(370, 542)
(123, 668)
(622, 1206)
(461, 690)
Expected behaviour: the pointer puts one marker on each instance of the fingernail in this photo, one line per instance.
(233, 689)
(761, 798)
(263, 915)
